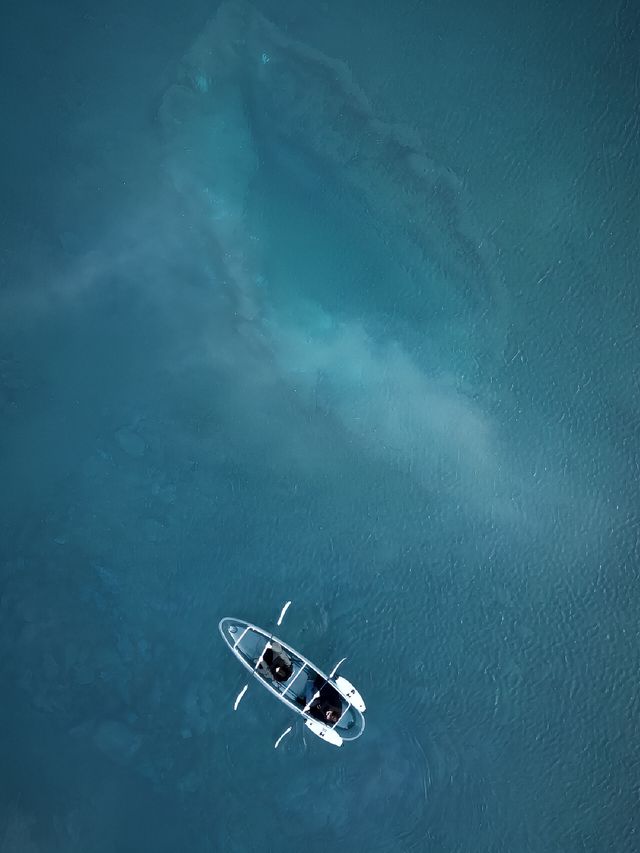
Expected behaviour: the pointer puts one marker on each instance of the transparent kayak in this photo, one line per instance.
(305, 683)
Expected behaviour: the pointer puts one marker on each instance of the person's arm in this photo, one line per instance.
(265, 670)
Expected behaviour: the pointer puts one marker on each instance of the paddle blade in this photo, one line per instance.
(282, 613)
(239, 697)
(336, 667)
(283, 735)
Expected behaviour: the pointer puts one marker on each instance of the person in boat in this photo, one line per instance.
(275, 664)
(327, 707)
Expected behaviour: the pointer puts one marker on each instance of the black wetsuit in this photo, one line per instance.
(273, 658)
(328, 700)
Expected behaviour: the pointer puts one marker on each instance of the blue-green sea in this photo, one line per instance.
(335, 303)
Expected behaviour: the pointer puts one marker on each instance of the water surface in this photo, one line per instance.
(334, 303)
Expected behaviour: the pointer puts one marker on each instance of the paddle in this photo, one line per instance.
(284, 734)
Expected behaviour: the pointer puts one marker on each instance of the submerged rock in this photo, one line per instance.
(130, 442)
(70, 242)
(269, 93)
(117, 740)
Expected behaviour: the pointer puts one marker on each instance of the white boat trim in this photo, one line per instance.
(324, 732)
(240, 638)
(350, 692)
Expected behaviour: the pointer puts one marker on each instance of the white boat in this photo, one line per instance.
(331, 707)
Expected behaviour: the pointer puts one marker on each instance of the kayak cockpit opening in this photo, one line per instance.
(321, 701)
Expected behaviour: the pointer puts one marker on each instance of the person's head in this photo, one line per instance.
(331, 716)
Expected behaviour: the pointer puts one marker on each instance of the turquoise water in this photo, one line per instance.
(340, 308)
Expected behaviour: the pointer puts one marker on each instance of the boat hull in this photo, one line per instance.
(248, 642)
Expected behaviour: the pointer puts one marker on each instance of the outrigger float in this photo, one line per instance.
(331, 707)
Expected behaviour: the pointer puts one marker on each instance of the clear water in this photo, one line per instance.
(247, 354)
